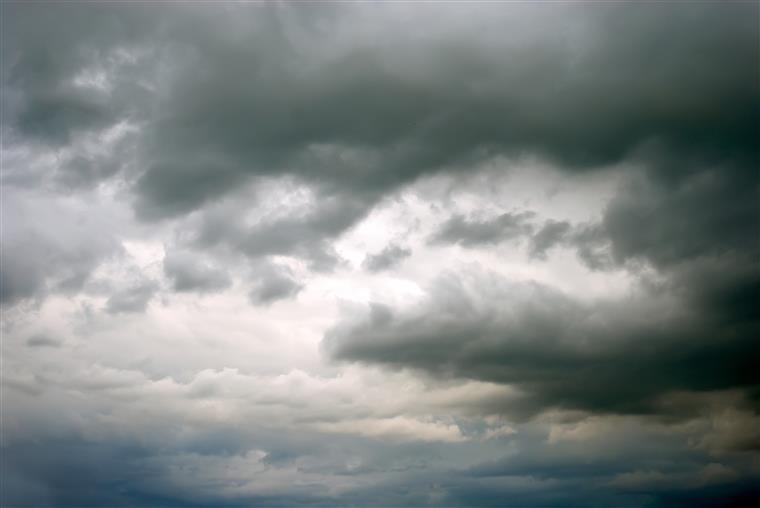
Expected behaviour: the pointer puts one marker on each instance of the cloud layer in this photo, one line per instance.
(380, 254)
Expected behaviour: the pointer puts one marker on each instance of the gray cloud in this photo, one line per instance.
(424, 118)
(347, 105)
(550, 234)
(472, 232)
(42, 341)
(559, 352)
(387, 258)
(304, 234)
(132, 299)
(534, 474)
(188, 273)
(34, 266)
(666, 221)
(42, 56)
(710, 212)
(273, 283)
(278, 99)
(56, 114)
(593, 246)
(49, 247)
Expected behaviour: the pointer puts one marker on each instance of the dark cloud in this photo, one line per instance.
(550, 234)
(472, 232)
(711, 212)
(387, 258)
(134, 298)
(43, 55)
(438, 107)
(42, 341)
(351, 104)
(57, 114)
(619, 356)
(174, 190)
(274, 283)
(314, 119)
(592, 246)
(590, 241)
(666, 222)
(73, 472)
(302, 234)
(189, 273)
(259, 90)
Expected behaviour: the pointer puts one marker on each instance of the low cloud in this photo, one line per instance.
(472, 232)
(273, 283)
(559, 352)
(42, 341)
(398, 429)
(387, 258)
(189, 273)
(248, 151)
(132, 299)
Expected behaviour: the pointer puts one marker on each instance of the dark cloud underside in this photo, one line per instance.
(619, 357)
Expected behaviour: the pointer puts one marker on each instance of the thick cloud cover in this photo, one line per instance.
(356, 118)
(283, 254)
(618, 356)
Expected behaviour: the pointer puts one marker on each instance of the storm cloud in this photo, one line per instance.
(617, 356)
(380, 254)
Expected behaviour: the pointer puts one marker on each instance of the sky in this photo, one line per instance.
(381, 254)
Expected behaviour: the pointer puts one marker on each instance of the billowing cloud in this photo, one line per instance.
(561, 353)
(432, 109)
(283, 254)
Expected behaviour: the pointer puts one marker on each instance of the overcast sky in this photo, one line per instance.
(380, 254)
